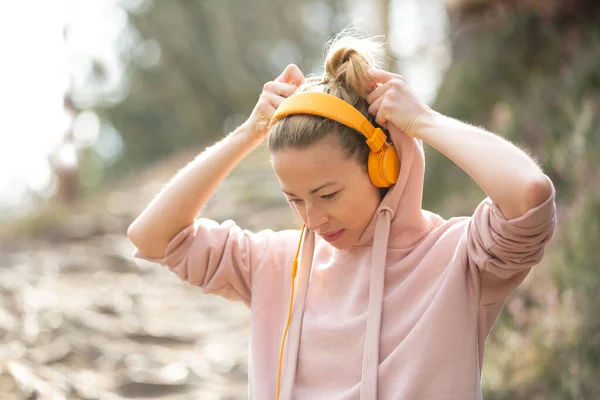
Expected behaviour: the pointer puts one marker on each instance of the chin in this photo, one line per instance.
(339, 246)
(343, 244)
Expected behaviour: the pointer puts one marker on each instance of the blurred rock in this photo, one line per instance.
(80, 318)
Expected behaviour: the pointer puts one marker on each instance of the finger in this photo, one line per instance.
(270, 106)
(378, 92)
(374, 110)
(382, 116)
(382, 122)
(381, 76)
(374, 107)
(291, 74)
(273, 101)
(279, 88)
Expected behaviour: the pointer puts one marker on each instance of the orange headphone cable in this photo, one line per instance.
(287, 324)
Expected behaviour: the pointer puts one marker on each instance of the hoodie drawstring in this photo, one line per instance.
(288, 373)
(370, 364)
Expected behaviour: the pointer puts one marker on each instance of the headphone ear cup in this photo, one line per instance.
(390, 165)
(374, 167)
(384, 167)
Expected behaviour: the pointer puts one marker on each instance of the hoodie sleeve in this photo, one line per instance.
(221, 258)
(501, 252)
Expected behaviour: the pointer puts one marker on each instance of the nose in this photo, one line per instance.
(315, 217)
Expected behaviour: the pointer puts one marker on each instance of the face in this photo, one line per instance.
(332, 194)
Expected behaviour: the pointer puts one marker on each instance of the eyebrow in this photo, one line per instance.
(312, 191)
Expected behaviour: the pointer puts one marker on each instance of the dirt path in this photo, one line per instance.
(81, 319)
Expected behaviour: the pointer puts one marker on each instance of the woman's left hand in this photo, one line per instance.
(394, 102)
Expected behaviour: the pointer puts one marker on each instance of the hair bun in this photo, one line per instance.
(349, 59)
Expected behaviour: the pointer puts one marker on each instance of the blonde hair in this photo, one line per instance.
(347, 63)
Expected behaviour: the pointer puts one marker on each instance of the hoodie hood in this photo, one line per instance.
(398, 222)
(403, 201)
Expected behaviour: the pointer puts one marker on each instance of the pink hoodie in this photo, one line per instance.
(404, 314)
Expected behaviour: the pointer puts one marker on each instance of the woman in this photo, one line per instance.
(390, 301)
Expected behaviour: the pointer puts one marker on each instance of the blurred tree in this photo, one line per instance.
(63, 159)
(194, 69)
(385, 15)
(530, 71)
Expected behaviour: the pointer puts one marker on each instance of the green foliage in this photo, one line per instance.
(213, 58)
(537, 83)
(577, 272)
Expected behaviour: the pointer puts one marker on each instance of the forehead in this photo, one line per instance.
(322, 161)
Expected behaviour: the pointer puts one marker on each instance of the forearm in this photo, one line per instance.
(505, 173)
(178, 203)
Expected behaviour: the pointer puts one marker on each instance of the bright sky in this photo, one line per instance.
(32, 78)
(34, 73)
(35, 67)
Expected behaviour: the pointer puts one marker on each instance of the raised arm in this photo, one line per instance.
(505, 173)
(180, 201)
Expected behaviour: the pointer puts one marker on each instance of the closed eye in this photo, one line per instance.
(330, 195)
(295, 201)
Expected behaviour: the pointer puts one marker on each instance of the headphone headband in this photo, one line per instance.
(332, 107)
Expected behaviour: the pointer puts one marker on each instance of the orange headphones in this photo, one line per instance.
(383, 165)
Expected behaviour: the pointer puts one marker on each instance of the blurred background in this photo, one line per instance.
(102, 101)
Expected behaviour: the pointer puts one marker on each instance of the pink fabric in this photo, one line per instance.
(445, 284)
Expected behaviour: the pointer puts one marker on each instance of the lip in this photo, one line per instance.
(333, 236)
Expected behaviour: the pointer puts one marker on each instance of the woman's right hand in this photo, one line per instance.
(273, 94)
(179, 202)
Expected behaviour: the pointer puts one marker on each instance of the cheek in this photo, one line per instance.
(356, 211)
(360, 209)
(348, 211)
(299, 210)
